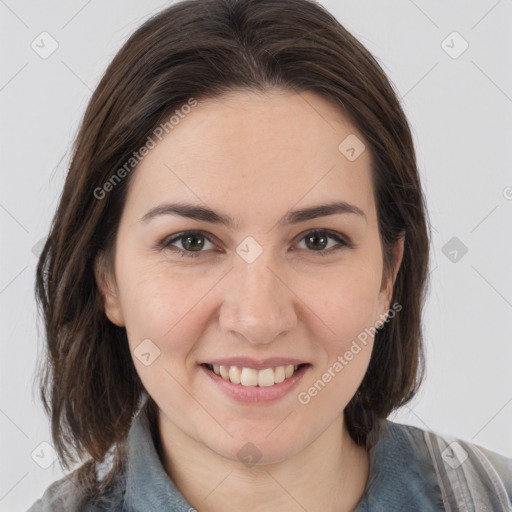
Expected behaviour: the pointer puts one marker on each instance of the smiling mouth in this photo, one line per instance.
(251, 377)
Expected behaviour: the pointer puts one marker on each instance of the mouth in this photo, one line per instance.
(251, 377)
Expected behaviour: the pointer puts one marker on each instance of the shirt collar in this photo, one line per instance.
(400, 474)
(148, 487)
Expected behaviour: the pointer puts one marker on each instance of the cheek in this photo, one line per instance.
(348, 305)
(348, 300)
(162, 305)
(163, 321)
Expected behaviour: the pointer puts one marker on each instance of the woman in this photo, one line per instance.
(233, 282)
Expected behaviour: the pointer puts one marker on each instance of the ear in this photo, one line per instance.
(105, 281)
(389, 283)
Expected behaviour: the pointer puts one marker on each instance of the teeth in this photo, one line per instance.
(235, 374)
(265, 377)
(252, 377)
(279, 374)
(224, 372)
(248, 376)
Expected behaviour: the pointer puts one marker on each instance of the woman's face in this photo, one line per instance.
(256, 287)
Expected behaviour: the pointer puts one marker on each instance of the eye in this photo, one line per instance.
(193, 242)
(318, 240)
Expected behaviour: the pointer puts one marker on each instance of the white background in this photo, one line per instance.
(460, 110)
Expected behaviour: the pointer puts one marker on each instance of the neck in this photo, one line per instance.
(328, 475)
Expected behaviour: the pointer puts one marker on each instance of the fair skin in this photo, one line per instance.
(253, 157)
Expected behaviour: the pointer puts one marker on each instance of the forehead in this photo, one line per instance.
(262, 151)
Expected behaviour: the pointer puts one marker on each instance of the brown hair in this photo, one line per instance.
(201, 49)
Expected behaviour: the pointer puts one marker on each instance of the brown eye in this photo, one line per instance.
(318, 241)
(192, 243)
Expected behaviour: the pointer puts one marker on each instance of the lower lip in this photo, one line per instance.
(255, 394)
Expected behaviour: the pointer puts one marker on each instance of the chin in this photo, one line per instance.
(256, 449)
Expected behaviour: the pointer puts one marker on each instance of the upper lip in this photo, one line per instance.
(247, 362)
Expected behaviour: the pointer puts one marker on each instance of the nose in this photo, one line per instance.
(258, 305)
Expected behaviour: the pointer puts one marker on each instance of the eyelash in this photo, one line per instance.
(167, 244)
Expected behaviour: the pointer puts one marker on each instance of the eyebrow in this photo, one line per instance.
(205, 214)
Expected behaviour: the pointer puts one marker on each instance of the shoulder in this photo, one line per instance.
(59, 496)
(72, 494)
(466, 473)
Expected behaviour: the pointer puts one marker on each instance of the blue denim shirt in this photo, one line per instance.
(410, 470)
